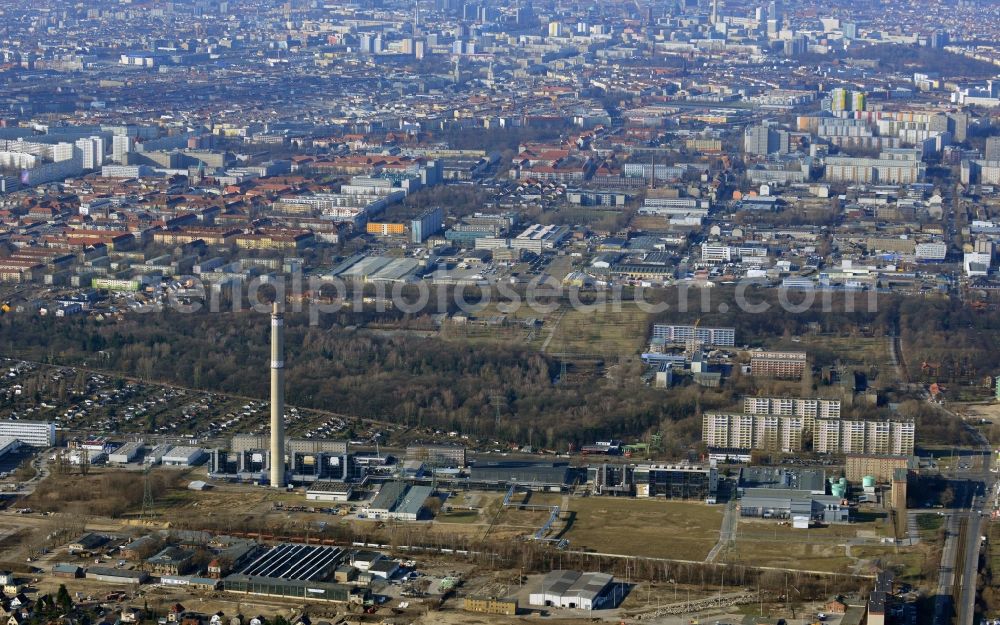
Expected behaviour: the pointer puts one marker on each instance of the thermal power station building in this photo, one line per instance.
(256, 457)
(306, 460)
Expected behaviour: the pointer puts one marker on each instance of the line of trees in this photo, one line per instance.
(429, 382)
(536, 557)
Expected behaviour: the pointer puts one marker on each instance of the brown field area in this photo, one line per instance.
(849, 350)
(600, 332)
(662, 529)
(833, 548)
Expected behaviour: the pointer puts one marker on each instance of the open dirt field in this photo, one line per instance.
(664, 529)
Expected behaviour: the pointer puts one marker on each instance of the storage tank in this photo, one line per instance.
(868, 481)
(838, 490)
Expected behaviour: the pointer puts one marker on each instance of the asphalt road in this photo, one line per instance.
(946, 570)
(973, 481)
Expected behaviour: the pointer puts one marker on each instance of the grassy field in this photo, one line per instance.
(929, 522)
(849, 350)
(663, 529)
(526, 520)
(461, 516)
(766, 543)
(906, 563)
(601, 332)
(789, 552)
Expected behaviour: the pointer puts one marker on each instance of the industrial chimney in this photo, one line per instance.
(277, 397)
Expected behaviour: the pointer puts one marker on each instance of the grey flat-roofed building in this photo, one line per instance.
(155, 455)
(776, 503)
(308, 460)
(116, 576)
(682, 333)
(384, 569)
(329, 491)
(205, 583)
(571, 589)
(677, 481)
(87, 541)
(309, 590)
(126, 453)
(398, 500)
(183, 456)
(427, 223)
(812, 481)
(535, 475)
(437, 455)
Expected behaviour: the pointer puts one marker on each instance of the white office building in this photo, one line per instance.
(725, 337)
(933, 250)
(33, 433)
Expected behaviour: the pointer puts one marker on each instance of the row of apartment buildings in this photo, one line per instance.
(790, 434)
(794, 425)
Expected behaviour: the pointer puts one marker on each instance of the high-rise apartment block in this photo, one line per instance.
(767, 432)
(92, 152)
(762, 139)
(856, 436)
(844, 100)
(993, 149)
(426, 224)
(786, 406)
(723, 337)
(778, 365)
(782, 424)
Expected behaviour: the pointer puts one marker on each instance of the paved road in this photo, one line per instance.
(40, 463)
(974, 482)
(956, 589)
(946, 570)
(970, 569)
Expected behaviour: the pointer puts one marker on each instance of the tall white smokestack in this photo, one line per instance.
(277, 397)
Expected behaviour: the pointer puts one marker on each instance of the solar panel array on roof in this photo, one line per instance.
(296, 562)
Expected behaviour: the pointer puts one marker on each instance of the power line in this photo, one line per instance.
(147, 495)
(496, 398)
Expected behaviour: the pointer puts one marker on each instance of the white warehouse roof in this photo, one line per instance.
(183, 455)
